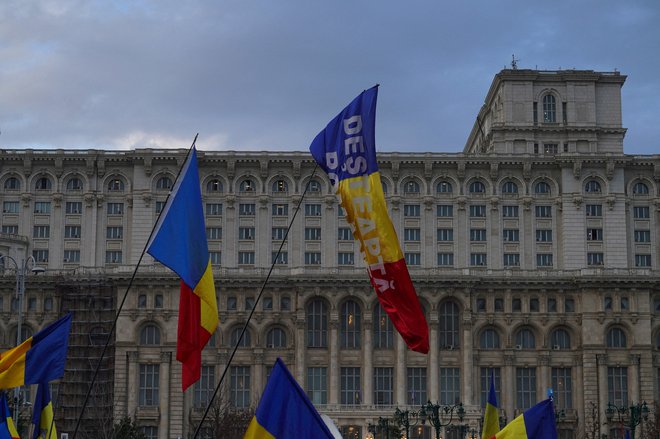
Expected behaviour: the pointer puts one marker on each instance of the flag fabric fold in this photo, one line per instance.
(40, 358)
(7, 427)
(491, 415)
(285, 411)
(346, 150)
(42, 416)
(538, 422)
(179, 243)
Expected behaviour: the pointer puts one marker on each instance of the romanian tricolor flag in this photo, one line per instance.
(7, 427)
(179, 242)
(42, 416)
(38, 359)
(346, 150)
(285, 412)
(537, 422)
(491, 416)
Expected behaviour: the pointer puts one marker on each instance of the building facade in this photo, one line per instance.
(534, 254)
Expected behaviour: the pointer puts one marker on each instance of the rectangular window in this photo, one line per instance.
(149, 380)
(642, 260)
(535, 112)
(150, 431)
(641, 212)
(543, 211)
(416, 394)
(72, 232)
(204, 387)
(411, 210)
(312, 258)
(478, 211)
(411, 235)
(450, 385)
(544, 235)
(280, 209)
(245, 258)
(617, 385)
(312, 210)
(42, 207)
(115, 232)
(594, 234)
(345, 258)
(239, 387)
(40, 255)
(213, 233)
(525, 387)
(413, 258)
(10, 207)
(445, 235)
(512, 259)
(213, 209)
(478, 259)
(312, 233)
(544, 260)
(71, 256)
(215, 257)
(594, 210)
(511, 235)
(562, 387)
(550, 148)
(113, 257)
(115, 208)
(445, 259)
(344, 234)
(10, 229)
(477, 234)
(594, 258)
(350, 385)
(247, 209)
(41, 232)
(317, 385)
(485, 383)
(509, 211)
(383, 386)
(246, 233)
(642, 236)
(282, 259)
(160, 205)
(445, 211)
(278, 233)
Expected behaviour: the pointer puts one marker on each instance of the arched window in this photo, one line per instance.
(48, 304)
(276, 338)
(150, 335)
(411, 187)
(317, 324)
(247, 185)
(164, 183)
(44, 184)
(560, 339)
(116, 185)
(549, 109)
(489, 339)
(350, 327)
(444, 187)
(74, 185)
(592, 186)
(12, 184)
(383, 329)
(477, 187)
(509, 188)
(657, 340)
(525, 339)
(26, 332)
(280, 186)
(640, 189)
(448, 320)
(616, 338)
(212, 341)
(314, 186)
(383, 183)
(542, 187)
(214, 185)
(246, 341)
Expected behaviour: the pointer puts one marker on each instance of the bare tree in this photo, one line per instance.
(224, 421)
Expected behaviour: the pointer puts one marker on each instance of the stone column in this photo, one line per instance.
(634, 379)
(300, 351)
(601, 360)
(400, 371)
(544, 371)
(508, 386)
(334, 363)
(164, 395)
(433, 393)
(259, 375)
(579, 384)
(133, 383)
(367, 355)
(468, 359)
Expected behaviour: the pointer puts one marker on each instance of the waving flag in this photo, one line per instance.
(42, 415)
(179, 242)
(285, 412)
(7, 427)
(491, 418)
(537, 422)
(38, 359)
(346, 150)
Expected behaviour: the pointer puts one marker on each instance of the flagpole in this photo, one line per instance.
(121, 305)
(254, 307)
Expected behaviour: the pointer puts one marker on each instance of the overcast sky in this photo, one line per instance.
(269, 74)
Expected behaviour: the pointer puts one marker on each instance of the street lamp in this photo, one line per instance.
(403, 420)
(638, 412)
(21, 271)
(435, 413)
(383, 424)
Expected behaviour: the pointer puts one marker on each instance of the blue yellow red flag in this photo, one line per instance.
(40, 358)
(7, 427)
(42, 416)
(285, 412)
(537, 422)
(179, 242)
(491, 415)
(346, 151)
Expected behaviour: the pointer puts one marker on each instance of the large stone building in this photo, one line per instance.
(534, 253)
